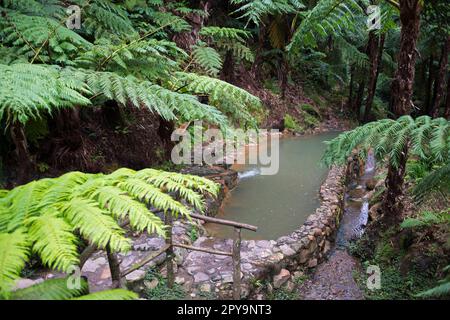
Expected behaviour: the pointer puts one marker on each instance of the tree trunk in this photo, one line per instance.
(402, 85)
(359, 97)
(392, 204)
(114, 267)
(429, 86)
(439, 85)
(256, 67)
(375, 48)
(447, 102)
(23, 157)
(350, 93)
(227, 73)
(283, 72)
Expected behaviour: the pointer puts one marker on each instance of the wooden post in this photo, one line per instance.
(114, 267)
(237, 264)
(169, 252)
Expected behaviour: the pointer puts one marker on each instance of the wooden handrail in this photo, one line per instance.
(185, 246)
(224, 222)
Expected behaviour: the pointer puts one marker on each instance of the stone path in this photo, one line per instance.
(333, 280)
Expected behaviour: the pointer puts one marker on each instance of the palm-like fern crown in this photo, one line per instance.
(49, 217)
(121, 52)
(426, 138)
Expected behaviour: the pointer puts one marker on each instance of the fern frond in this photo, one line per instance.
(122, 206)
(116, 294)
(229, 99)
(13, 254)
(95, 225)
(52, 289)
(207, 59)
(28, 91)
(53, 240)
(28, 33)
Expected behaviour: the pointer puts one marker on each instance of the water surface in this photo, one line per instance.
(281, 203)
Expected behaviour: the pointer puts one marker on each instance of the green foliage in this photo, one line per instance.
(441, 290)
(28, 91)
(291, 124)
(229, 39)
(208, 59)
(229, 99)
(57, 289)
(41, 37)
(50, 216)
(256, 10)
(328, 17)
(439, 179)
(426, 138)
(161, 291)
(427, 219)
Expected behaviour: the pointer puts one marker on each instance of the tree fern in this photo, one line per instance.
(390, 138)
(13, 255)
(29, 34)
(228, 39)
(53, 240)
(57, 289)
(51, 216)
(102, 18)
(328, 17)
(207, 59)
(229, 99)
(116, 294)
(52, 289)
(439, 178)
(256, 10)
(27, 91)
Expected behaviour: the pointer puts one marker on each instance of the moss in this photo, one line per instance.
(162, 291)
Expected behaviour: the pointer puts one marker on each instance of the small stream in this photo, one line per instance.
(281, 203)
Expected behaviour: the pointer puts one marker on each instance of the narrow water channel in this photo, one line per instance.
(280, 203)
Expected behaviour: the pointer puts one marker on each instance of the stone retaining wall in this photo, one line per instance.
(276, 261)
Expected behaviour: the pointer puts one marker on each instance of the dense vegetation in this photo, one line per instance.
(136, 69)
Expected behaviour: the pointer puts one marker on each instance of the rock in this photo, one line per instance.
(135, 275)
(281, 278)
(151, 284)
(371, 184)
(200, 277)
(289, 286)
(25, 283)
(304, 255)
(206, 287)
(286, 250)
(326, 247)
(180, 280)
(374, 211)
(93, 264)
(317, 232)
(312, 263)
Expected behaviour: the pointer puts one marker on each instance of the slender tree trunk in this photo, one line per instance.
(392, 204)
(447, 101)
(429, 87)
(439, 85)
(350, 93)
(359, 97)
(283, 72)
(227, 73)
(375, 53)
(114, 267)
(402, 85)
(25, 164)
(256, 67)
